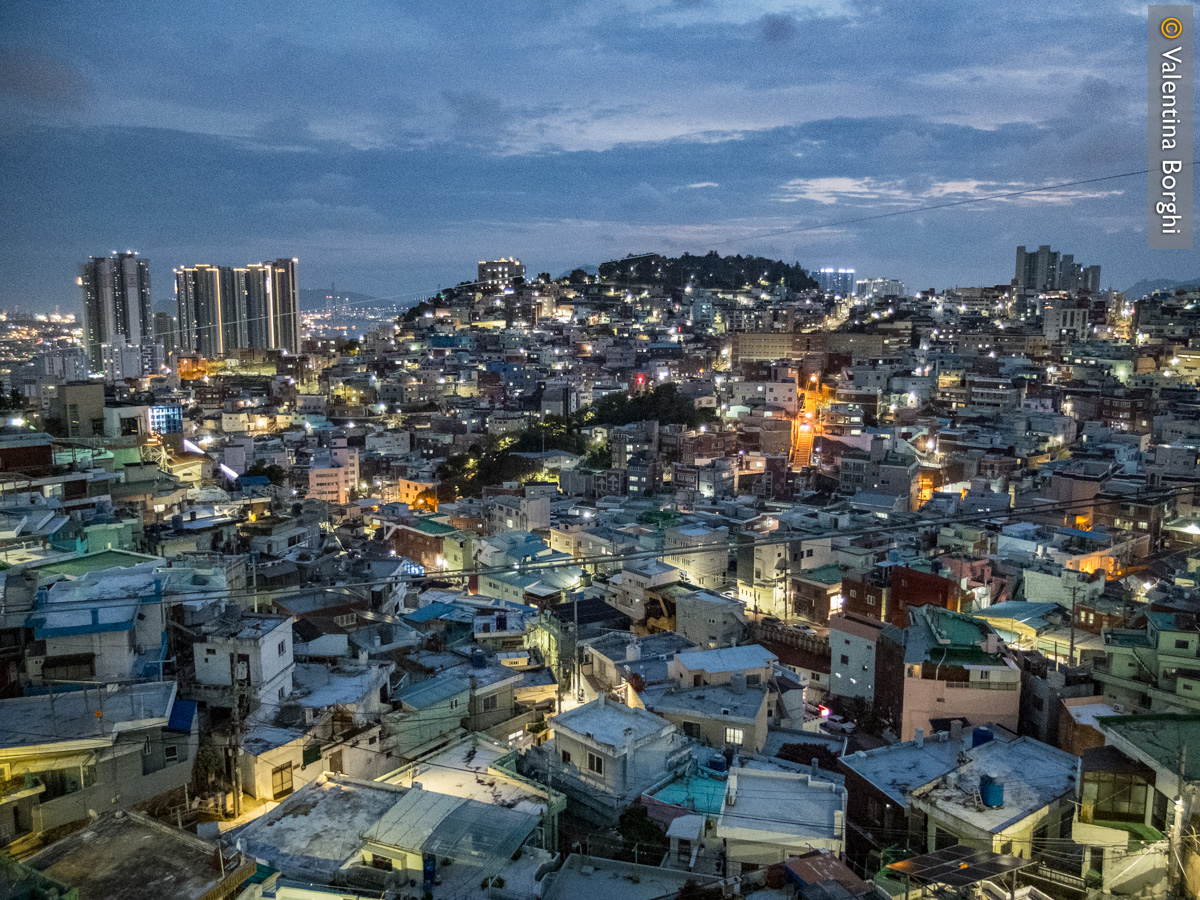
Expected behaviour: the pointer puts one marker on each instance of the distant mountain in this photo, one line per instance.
(315, 298)
(1149, 285)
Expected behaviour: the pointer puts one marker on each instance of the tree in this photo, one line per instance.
(277, 475)
(578, 276)
(637, 831)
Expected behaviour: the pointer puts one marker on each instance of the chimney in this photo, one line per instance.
(956, 731)
(919, 737)
(812, 767)
(600, 698)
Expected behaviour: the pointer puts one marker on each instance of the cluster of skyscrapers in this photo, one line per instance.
(223, 308)
(1044, 270)
(116, 303)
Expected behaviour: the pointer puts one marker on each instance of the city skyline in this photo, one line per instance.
(387, 171)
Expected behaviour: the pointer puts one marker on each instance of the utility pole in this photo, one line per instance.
(1074, 592)
(236, 750)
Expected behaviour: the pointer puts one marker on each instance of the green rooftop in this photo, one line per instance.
(1160, 737)
(431, 527)
(830, 574)
(93, 562)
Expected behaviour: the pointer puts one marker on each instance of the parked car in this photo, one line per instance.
(770, 620)
(838, 725)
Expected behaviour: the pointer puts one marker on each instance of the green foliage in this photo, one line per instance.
(709, 271)
(600, 458)
(664, 404)
(636, 829)
(413, 313)
(275, 474)
(350, 347)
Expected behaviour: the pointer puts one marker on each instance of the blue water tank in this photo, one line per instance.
(980, 736)
(717, 763)
(991, 792)
(479, 659)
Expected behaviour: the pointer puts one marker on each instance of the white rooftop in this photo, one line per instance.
(729, 659)
(1033, 776)
(614, 724)
(780, 806)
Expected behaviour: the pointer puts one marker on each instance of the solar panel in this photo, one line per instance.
(958, 866)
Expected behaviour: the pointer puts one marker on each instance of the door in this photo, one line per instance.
(281, 781)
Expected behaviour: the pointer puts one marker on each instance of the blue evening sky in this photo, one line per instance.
(391, 145)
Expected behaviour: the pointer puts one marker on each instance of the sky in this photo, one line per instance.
(391, 145)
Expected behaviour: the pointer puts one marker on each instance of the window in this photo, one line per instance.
(171, 753)
(753, 680)
(870, 600)
(454, 703)
(845, 660)
(853, 592)
(490, 703)
(734, 736)
(984, 675)
(1181, 645)
(282, 647)
(566, 757)
(595, 764)
(691, 729)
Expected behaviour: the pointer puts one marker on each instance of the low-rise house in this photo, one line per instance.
(330, 723)
(344, 836)
(126, 856)
(768, 816)
(852, 642)
(945, 665)
(245, 654)
(1155, 668)
(67, 752)
(604, 755)
(710, 620)
(1012, 798)
(721, 716)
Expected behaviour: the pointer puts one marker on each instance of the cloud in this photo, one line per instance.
(42, 81)
(703, 184)
(778, 30)
(870, 192)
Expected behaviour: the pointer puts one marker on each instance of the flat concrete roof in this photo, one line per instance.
(123, 856)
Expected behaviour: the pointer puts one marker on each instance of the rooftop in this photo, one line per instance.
(900, 768)
(317, 830)
(463, 770)
(715, 701)
(791, 808)
(75, 715)
(618, 726)
(124, 856)
(607, 879)
(1033, 775)
(729, 659)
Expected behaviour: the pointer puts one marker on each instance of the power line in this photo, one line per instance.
(935, 206)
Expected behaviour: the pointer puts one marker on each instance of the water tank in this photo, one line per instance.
(479, 659)
(991, 792)
(981, 736)
(717, 763)
(633, 651)
(737, 682)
